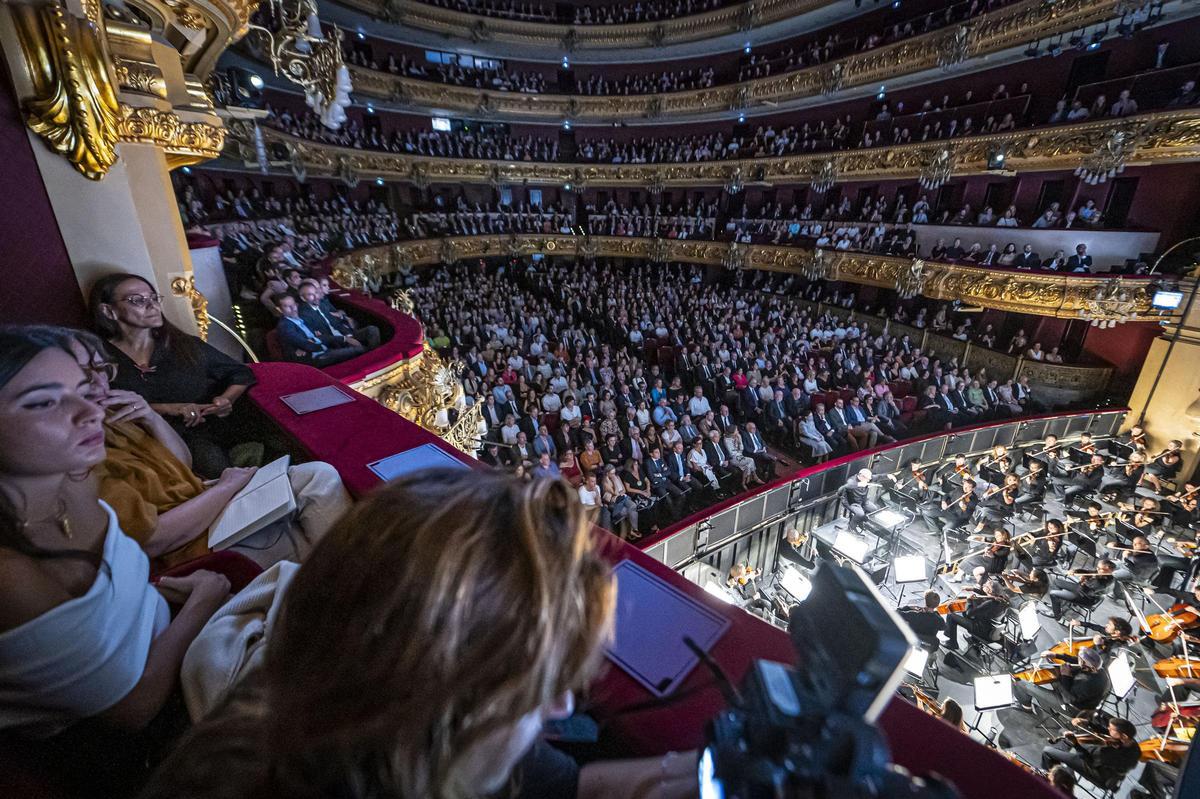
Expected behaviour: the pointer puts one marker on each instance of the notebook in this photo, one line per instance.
(316, 399)
(265, 499)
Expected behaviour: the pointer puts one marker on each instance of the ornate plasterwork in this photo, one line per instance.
(572, 38)
(999, 30)
(1162, 137)
(74, 105)
(183, 142)
(1052, 294)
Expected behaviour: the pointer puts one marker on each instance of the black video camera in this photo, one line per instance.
(809, 731)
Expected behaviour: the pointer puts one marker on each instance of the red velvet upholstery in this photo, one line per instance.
(238, 568)
(349, 436)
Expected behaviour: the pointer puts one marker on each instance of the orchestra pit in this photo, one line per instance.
(653, 398)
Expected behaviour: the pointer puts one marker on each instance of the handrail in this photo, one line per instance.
(1065, 296)
(810, 471)
(1152, 138)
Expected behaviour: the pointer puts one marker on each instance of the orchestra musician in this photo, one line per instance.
(952, 473)
(952, 513)
(912, 489)
(1083, 684)
(1183, 505)
(1134, 438)
(983, 618)
(925, 620)
(1115, 633)
(742, 579)
(1034, 584)
(1122, 478)
(1086, 445)
(991, 561)
(856, 496)
(1033, 486)
(1137, 562)
(793, 547)
(1083, 480)
(996, 459)
(1050, 548)
(1164, 466)
(1179, 557)
(998, 502)
(1086, 591)
(1101, 759)
(1062, 778)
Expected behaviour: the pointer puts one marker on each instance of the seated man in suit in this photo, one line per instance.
(367, 334)
(300, 343)
(754, 446)
(661, 483)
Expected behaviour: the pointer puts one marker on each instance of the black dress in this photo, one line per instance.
(173, 379)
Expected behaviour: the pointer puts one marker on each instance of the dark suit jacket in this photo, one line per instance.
(715, 459)
(292, 338)
(1028, 261)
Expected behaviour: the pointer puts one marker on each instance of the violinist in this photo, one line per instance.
(1183, 505)
(1033, 486)
(1049, 549)
(991, 561)
(952, 473)
(1134, 438)
(1033, 583)
(1122, 478)
(998, 502)
(912, 489)
(1137, 562)
(1083, 685)
(925, 620)
(794, 547)
(1085, 591)
(952, 513)
(1115, 633)
(1179, 557)
(1086, 445)
(1164, 466)
(996, 459)
(983, 618)
(1084, 479)
(1101, 759)
(742, 580)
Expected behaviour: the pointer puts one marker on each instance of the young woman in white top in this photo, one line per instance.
(83, 634)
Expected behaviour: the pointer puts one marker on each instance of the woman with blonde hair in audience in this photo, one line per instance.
(89, 652)
(419, 654)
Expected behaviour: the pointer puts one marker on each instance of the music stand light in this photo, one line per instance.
(796, 584)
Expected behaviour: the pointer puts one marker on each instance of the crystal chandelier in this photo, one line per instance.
(816, 267)
(299, 51)
(824, 176)
(938, 171)
(911, 281)
(1109, 159)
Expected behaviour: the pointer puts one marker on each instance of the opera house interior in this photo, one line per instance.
(746, 398)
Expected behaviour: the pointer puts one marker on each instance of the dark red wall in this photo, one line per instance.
(1124, 346)
(39, 281)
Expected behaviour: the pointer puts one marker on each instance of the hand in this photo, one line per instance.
(192, 413)
(353, 342)
(1074, 623)
(206, 588)
(235, 478)
(220, 406)
(126, 406)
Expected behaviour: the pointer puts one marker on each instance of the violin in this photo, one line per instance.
(1166, 627)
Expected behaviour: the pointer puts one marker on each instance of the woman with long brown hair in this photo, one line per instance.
(419, 649)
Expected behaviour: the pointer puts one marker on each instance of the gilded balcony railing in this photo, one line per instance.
(476, 28)
(1066, 296)
(1143, 139)
(1004, 28)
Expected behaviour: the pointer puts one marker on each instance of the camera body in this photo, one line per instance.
(809, 731)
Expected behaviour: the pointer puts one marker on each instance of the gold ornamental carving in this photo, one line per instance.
(428, 392)
(74, 104)
(1062, 296)
(183, 142)
(186, 287)
(998, 30)
(1162, 137)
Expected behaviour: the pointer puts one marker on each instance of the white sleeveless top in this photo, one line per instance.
(82, 657)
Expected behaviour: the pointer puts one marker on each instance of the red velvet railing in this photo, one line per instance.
(352, 435)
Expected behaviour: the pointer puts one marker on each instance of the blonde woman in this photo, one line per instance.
(418, 654)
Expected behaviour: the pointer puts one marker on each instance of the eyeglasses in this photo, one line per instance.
(142, 300)
(106, 368)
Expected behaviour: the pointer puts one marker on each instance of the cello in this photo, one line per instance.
(1164, 628)
(1170, 749)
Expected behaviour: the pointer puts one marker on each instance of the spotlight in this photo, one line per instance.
(378, 181)
(256, 81)
(361, 36)
(746, 49)
(882, 93)
(895, 3)
(566, 124)
(566, 186)
(566, 63)
(187, 170)
(1097, 39)
(741, 117)
(370, 108)
(996, 160)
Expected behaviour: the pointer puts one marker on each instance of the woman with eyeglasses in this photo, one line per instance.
(89, 652)
(193, 385)
(146, 477)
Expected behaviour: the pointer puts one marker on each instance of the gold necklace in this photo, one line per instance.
(59, 518)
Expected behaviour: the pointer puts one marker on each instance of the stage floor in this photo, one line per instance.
(1014, 730)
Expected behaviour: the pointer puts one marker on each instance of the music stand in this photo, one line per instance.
(1128, 531)
(992, 692)
(916, 663)
(1120, 676)
(908, 569)
(1029, 620)
(1078, 456)
(796, 584)
(891, 521)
